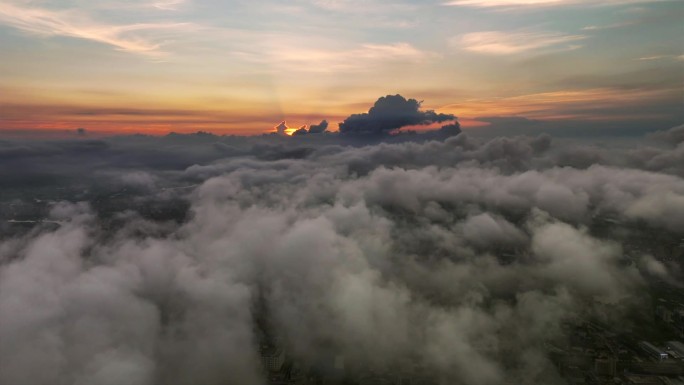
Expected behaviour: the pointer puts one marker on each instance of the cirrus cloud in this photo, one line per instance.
(538, 3)
(513, 42)
(132, 37)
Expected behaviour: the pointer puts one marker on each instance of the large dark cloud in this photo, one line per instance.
(390, 113)
(457, 260)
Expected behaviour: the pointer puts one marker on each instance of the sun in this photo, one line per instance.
(283, 129)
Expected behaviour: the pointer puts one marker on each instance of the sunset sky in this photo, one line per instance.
(242, 66)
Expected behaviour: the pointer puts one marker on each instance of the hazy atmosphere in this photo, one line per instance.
(468, 192)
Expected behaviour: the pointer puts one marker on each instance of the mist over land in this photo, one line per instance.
(428, 258)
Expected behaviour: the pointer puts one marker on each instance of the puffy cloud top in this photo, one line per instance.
(318, 128)
(390, 113)
(458, 261)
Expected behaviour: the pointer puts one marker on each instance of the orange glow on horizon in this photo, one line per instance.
(591, 104)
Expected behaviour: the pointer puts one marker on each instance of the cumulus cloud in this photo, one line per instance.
(675, 135)
(456, 261)
(313, 129)
(300, 131)
(318, 128)
(390, 113)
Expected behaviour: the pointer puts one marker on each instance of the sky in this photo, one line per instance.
(241, 67)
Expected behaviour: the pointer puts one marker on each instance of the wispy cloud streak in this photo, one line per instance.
(74, 24)
(168, 5)
(506, 43)
(538, 3)
(313, 56)
(588, 104)
(609, 26)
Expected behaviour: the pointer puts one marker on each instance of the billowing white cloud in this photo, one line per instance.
(448, 255)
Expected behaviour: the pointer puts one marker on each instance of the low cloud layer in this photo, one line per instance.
(457, 260)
